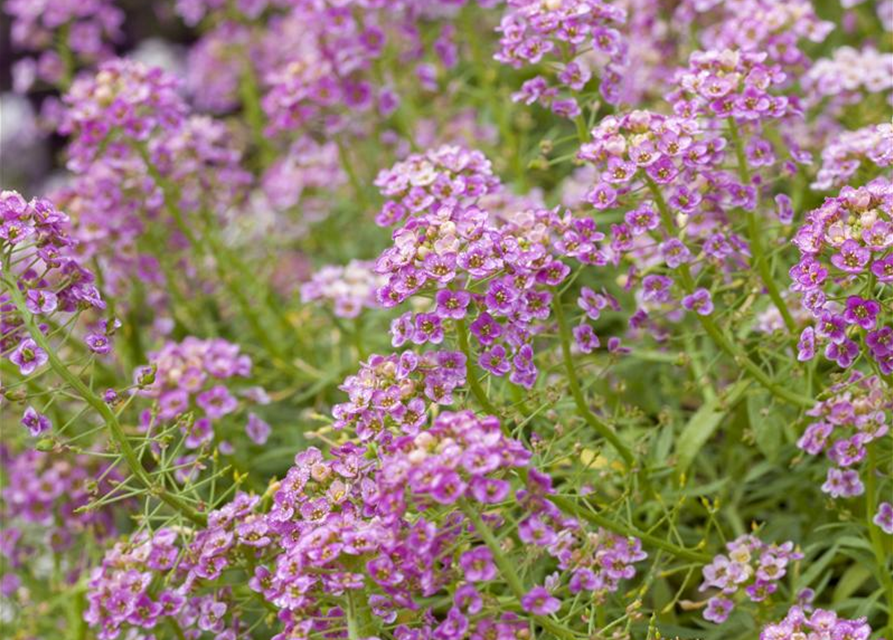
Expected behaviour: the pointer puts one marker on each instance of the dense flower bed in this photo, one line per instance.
(447, 319)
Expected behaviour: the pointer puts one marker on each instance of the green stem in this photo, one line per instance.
(592, 420)
(223, 257)
(178, 632)
(881, 547)
(356, 184)
(111, 421)
(567, 505)
(254, 114)
(713, 330)
(470, 373)
(360, 623)
(755, 236)
(507, 569)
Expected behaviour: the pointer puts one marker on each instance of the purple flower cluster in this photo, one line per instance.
(327, 72)
(124, 592)
(352, 523)
(307, 167)
(845, 244)
(641, 145)
(494, 271)
(775, 28)
(124, 97)
(348, 289)
(533, 32)
(752, 566)
(392, 394)
(38, 259)
(195, 376)
(853, 416)
(731, 84)
(852, 151)
(42, 504)
(448, 176)
(158, 164)
(86, 31)
(819, 623)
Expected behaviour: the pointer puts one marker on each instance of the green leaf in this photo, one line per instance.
(703, 424)
(852, 579)
(767, 422)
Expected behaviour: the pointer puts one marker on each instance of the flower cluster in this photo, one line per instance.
(853, 151)
(447, 176)
(327, 73)
(573, 32)
(820, 623)
(194, 376)
(642, 145)
(759, 26)
(343, 524)
(349, 289)
(854, 415)
(62, 32)
(44, 277)
(843, 244)
(752, 566)
(43, 506)
(731, 84)
(308, 166)
(604, 276)
(124, 96)
(495, 271)
(123, 591)
(392, 394)
(848, 75)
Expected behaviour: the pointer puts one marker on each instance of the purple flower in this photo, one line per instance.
(785, 211)
(258, 430)
(40, 301)
(602, 196)
(843, 483)
(832, 327)
(861, 312)
(489, 490)
(806, 345)
(656, 288)
(28, 357)
(852, 257)
(486, 329)
(883, 269)
(447, 487)
(35, 422)
(217, 402)
(844, 353)
(539, 601)
(428, 328)
(533, 530)
(585, 338)
(98, 343)
(494, 360)
(884, 517)
(477, 565)
(880, 342)
(848, 451)
(718, 609)
(452, 304)
(592, 303)
(674, 252)
(642, 220)
(700, 302)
